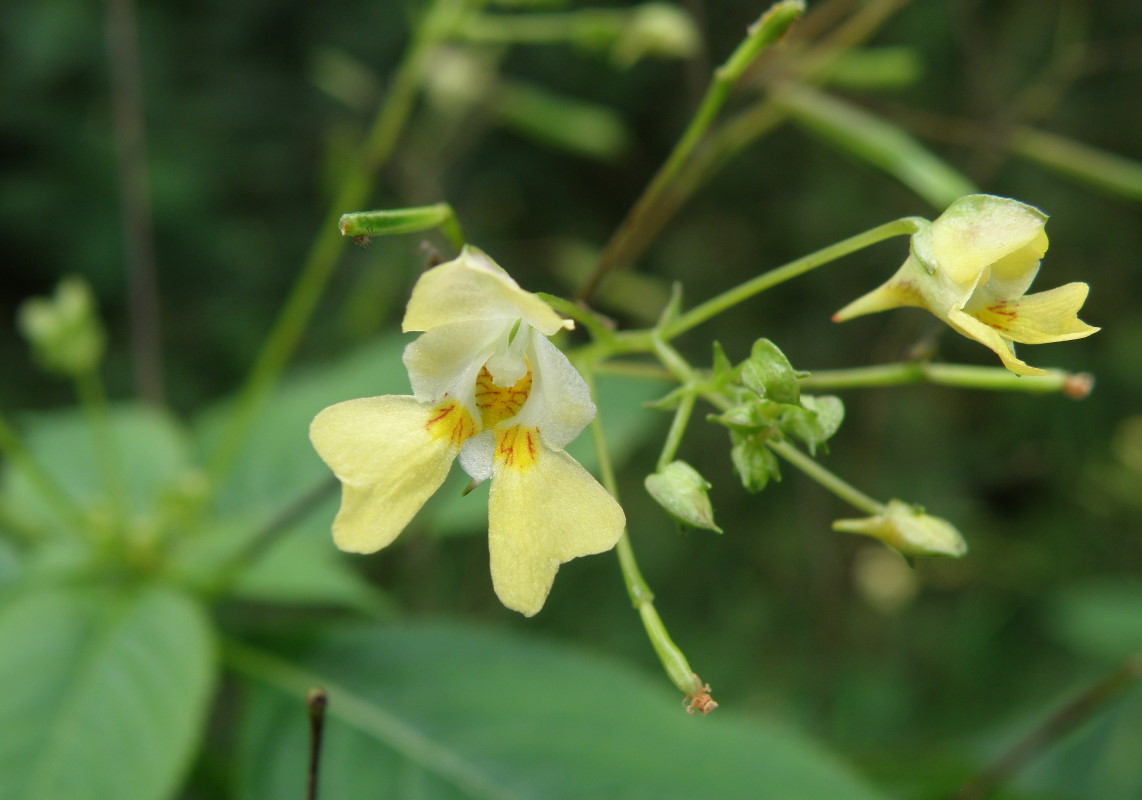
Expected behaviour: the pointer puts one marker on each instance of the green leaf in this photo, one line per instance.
(815, 421)
(152, 447)
(754, 463)
(448, 711)
(768, 372)
(684, 494)
(106, 692)
(276, 469)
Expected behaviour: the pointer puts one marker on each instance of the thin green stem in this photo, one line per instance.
(389, 122)
(677, 428)
(728, 299)
(93, 398)
(41, 481)
(841, 488)
(958, 375)
(642, 598)
(631, 233)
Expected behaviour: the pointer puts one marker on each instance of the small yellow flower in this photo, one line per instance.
(490, 389)
(972, 267)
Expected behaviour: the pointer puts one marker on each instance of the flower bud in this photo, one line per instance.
(64, 330)
(908, 530)
(682, 491)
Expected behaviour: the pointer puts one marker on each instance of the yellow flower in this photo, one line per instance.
(971, 267)
(489, 388)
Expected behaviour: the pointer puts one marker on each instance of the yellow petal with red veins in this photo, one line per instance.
(390, 454)
(544, 509)
(1050, 316)
(972, 328)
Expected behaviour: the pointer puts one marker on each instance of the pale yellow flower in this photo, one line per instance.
(971, 267)
(489, 388)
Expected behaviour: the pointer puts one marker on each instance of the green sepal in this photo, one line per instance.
(683, 493)
(814, 421)
(768, 372)
(754, 463)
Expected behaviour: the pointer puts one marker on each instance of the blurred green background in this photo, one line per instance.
(253, 111)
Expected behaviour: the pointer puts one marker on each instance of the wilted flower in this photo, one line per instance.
(972, 267)
(490, 388)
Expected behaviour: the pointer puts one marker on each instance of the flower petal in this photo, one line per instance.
(389, 462)
(541, 514)
(560, 401)
(447, 360)
(471, 288)
(972, 328)
(1050, 316)
(979, 230)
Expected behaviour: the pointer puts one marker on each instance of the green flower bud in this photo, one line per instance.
(908, 530)
(64, 331)
(682, 491)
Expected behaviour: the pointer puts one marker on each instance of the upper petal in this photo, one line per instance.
(447, 359)
(473, 287)
(389, 461)
(979, 230)
(540, 515)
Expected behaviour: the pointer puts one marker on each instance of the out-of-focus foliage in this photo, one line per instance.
(254, 112)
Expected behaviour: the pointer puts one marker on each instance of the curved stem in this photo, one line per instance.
(93, 398)
(641, 597)
(325, 252)
(628, 239)
(841, 488)
(728, 299)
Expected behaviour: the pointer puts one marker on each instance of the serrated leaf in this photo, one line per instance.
(454, 712)
(768, 372)
(106, 692)
(754, 463)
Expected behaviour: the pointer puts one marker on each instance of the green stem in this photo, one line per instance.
(959, 375)
(93, 398)
(628, 238)
(641, 597)
(390, 120)
(716, 305)
(842, 489)
(677, 428)
(41, 481)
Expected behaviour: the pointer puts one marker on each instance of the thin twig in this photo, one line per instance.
(316, 701)
(1054, 728)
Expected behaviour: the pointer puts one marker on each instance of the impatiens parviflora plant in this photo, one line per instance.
(491, 390)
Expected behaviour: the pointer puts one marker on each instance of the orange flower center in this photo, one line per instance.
(498, 403)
